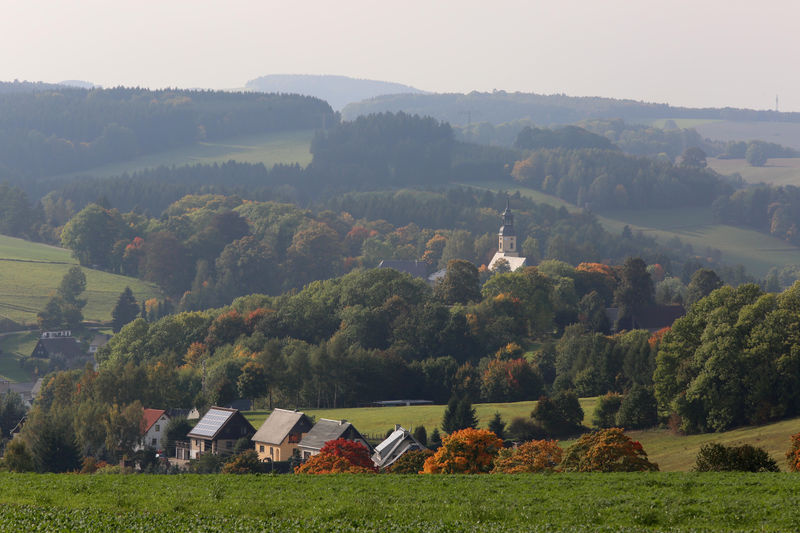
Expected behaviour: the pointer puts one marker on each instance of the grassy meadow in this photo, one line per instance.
(269, 149)
(758, 252)
(443, 503)
(29, 272)
(777, 171)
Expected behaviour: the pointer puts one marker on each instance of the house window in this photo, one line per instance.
(155, 442)
(158, 427)
(271, 451)
(294, 438)
(261, 448)
(229, 444)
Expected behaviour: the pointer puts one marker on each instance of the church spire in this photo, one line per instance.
(508, 237)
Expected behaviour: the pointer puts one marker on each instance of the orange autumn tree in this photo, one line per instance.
(468, 451)
(606, 450)
(793, 455)
(340, 456)
(533, 456)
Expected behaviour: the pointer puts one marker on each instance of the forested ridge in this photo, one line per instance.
(65, 129)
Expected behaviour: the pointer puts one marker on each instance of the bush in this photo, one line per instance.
(468, 451)
(17, 458)
(605, 414)
(606, 450)
(533, 456)
(246, 462)
(339, 456)
(524, 429)
(793, 455)
(714, 457)
(410, 462)
(207, 463)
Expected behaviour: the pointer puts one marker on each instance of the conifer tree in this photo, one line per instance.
(125, 311)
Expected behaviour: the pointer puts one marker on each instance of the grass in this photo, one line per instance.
(671, 451)
(757, 251)
(375, 421)
(14, 347)
(29, 272)
(269, 149)
(777, 171)
(785, 133)
(533, 502)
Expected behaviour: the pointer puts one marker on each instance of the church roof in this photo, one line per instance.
(513, 262)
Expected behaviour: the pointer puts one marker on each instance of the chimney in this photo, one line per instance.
(396, 427)
(342, 422)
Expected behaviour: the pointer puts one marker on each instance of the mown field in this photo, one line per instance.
(777, 171)
(560, 502)
(29, 272)
(758, 252)
(672, 452)
(269, 149)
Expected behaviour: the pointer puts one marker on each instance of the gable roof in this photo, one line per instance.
(326, 430)
(150, 417)
(66, 346)
(279, 424)
(396, 444)
(514, 263)
(213, 421)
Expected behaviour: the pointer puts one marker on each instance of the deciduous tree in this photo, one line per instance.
(468, 451)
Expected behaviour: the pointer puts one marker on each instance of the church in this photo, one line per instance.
(508, 249)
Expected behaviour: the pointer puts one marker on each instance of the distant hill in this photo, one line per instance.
(499, 107)
(17, 86)
(79, 83)
(338, 91)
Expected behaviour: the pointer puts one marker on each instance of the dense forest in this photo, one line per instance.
(47, 132)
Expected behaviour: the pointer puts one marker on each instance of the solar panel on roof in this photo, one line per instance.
(211, 423)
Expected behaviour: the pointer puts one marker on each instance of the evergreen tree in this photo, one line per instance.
(497, 426)
(125, 311)
(459, 415)
(421, 434)
(436, 439)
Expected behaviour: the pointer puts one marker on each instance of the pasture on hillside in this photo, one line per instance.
(270, 149)
(30, 272)
(778, 171)
(377, 420)
(672, 451)
(757, 251)
(403, 503)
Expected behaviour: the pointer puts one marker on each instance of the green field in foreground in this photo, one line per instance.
(29, 272)
(533, 502)
(757, 251)
(270, 149)
(777, 171)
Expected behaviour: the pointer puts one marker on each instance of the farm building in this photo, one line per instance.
(395, 445)
(218, 431)
(279, 436)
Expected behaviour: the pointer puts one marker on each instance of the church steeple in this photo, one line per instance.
(507, 235)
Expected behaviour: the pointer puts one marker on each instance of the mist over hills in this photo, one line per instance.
(500, 106)
(338, 91)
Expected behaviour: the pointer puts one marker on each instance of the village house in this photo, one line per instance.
(218, 431)
(394, 446)
(279, 436)
(60, 344)
(153, 429)
(326, 430)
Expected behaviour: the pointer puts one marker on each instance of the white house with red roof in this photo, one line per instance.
(154, 429)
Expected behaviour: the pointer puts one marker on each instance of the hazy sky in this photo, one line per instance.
(693, 53)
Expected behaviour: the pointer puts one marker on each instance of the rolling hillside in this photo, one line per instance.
(777, 171)
(269, 149)
(756, 251)
(29, 272)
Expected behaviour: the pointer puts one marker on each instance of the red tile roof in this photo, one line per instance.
(149, 418)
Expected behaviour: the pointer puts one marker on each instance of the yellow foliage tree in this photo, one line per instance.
(533, 456)
(468, 451)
